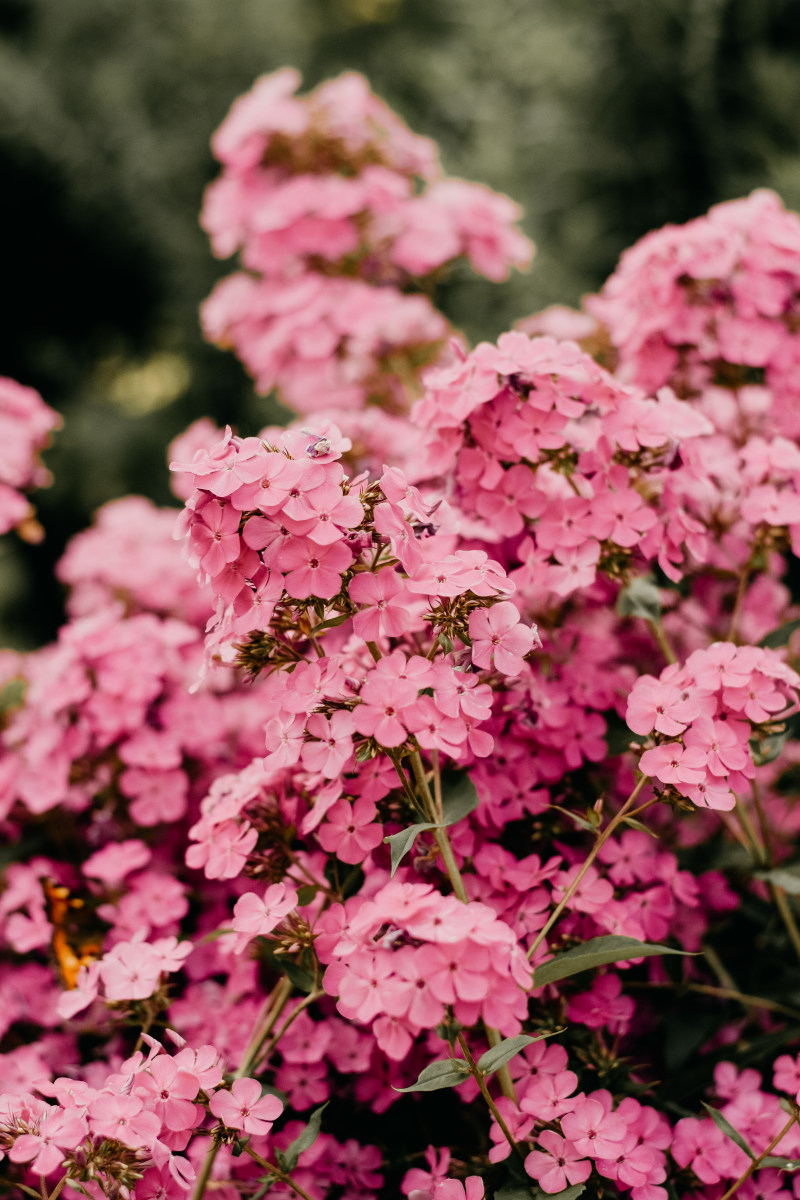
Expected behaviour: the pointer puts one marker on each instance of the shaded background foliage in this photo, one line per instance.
(603, 118)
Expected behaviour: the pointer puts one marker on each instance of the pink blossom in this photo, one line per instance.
(558, 1165)
(498, 639)
(244, 1108)
(254, 917)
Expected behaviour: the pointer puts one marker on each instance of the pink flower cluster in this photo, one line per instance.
(129, 1129)
(704, 715)
(26, 423)
(711, 307)
(321, 800)
(399, 958)
(320, 196)
(539, 437)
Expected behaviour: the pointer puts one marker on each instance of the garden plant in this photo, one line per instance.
(415, 811)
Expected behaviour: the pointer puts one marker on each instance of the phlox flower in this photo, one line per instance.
(124, 1119)
(559, 1165)
(258, 917)
(675, 764)
(332, 745)
(350, 831)
(244, 1108)
(45, 1145)
(660, 706)
(388, 606)
(130, 971)
(593, 1130)
(169, 1090)
(314, 570)
(499, 641)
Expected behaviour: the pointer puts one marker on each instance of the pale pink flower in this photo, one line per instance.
(244, 1108)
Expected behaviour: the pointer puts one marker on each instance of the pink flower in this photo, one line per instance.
(673, 763)
(44, 1149)
(254, 917)
(498, 638)
(593, 1130)
(124, 1119)
(313, 570)
(387, 603)
(351, 832)
(244, 1108)
(559, 1165)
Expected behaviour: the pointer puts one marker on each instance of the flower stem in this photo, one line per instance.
(272, 1009)
(756, 1163)
(600, 841)
(275, 1170)
(480, 1079)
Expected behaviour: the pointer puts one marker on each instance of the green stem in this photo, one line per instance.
(273, 1007)
(600, 841)
(756, 1163)
(663, 644)
(480, 1079)
(293, 1015)
(275, 1170)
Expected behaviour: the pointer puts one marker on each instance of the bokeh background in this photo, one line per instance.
(603, 118)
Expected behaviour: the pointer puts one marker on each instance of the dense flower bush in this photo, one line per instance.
(453, 752)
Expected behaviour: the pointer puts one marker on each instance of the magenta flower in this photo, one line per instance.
(499, 640)
(244, 1108)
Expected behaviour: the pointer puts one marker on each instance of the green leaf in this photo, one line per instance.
(786, 878)
(306, 1138)
(596, 953)
(504, 1051)
(266, 1183)
(581, 822)
(299, 977)
(306, 894)
(779, 636)
(783, 1164)
(570, 1193)
(402, 842)
(459, 797)
(728, 1129)
(640, 599)
(450, 1072)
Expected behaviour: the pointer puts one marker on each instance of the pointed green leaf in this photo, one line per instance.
(402, 842)
(504, 1051)
(783, 1164)
(640, 599)
(596, 953)
(581, 822)
(306, 894)
(447, 1073)
(570, 1193)
(726, 1127)
(459, 797)
(266, 1183)
(306, 1138)
(779, 636)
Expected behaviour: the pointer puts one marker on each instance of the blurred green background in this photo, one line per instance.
(603, 118)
